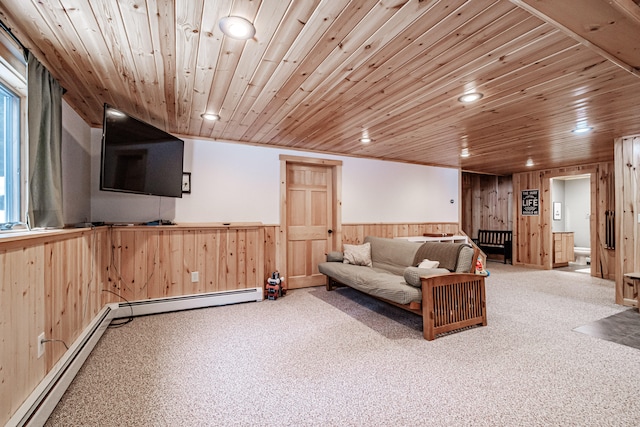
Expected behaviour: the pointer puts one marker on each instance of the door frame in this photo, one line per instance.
(336, 237)
(593, 213)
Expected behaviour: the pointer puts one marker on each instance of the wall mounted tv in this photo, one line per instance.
(138, 157)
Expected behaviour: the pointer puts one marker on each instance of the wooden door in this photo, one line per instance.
(309, 222)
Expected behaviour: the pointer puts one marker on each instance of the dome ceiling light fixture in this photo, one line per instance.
(465, 153)
(470, 97)
(529, 163)
(237, 27)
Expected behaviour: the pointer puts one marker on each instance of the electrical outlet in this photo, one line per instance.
(40, 345)
(195, 276)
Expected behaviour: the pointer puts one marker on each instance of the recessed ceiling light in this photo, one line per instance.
(529, 163)
(237, 27)
(582, 129)
(365, 140)
(464, 153)
(470, 97)
(210, 116)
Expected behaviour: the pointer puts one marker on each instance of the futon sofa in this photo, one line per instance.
(432, 279)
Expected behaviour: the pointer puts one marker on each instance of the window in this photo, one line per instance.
(9, 156)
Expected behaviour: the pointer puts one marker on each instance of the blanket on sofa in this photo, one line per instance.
(447, 254)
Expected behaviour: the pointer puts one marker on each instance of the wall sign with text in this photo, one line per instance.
(530, 202)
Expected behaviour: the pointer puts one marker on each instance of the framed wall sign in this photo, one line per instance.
(530, 202)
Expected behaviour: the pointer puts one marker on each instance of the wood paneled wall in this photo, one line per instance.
(487, 203)
(57, 283)
(355, 233)
(627, 160)
(154, 263)
(51, 284)
(532, 234)
(149, 263)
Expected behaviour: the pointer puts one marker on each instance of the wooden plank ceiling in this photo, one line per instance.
(321, 73)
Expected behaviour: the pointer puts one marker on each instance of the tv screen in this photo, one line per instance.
(138, 157)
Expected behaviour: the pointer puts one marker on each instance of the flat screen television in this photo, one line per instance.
(139, 158)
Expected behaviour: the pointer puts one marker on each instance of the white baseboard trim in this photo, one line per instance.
(42, 401)
(188, 302)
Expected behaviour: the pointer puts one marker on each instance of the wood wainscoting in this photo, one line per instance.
(50, 282)
(354, 234)
(55, 283)
(156, 262)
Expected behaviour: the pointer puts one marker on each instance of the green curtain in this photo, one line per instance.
(44, 98)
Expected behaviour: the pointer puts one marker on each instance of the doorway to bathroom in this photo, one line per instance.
(571, 222)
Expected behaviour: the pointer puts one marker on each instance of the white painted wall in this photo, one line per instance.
(578, 208)
(379, 191)
(241, 183)
(230, 183)
(575, 196)
(76, 167)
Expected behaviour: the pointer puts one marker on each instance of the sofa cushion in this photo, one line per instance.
(378, 283)
(412, 275)
(357, 254)
(348, 274)
(393, 288)
(392, 255)
(335, 256)
(465, 260)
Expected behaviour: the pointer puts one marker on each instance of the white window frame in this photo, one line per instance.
(13, 77)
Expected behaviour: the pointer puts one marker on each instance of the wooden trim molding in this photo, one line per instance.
(310, 160)
(591, 42)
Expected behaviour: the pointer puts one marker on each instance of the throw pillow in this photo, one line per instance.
(412, 275)
(429, 264)
(358, 254)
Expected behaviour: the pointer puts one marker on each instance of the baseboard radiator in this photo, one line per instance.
(40, 404)
(188, 302)
(451, 302)
(44, 398)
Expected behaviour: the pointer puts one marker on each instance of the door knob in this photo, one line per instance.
(329, 231)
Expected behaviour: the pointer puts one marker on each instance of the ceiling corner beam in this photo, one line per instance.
(595, 48)
(627, 7)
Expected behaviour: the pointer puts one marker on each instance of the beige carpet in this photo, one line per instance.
(342, 359)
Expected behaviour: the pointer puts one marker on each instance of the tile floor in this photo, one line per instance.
(622, 328)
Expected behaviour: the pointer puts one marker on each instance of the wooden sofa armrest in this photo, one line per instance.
(452, 301)
(476, 255)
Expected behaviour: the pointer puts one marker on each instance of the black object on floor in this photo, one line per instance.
(622, 328)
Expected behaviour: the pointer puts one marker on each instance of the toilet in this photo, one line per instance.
(582, 255)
